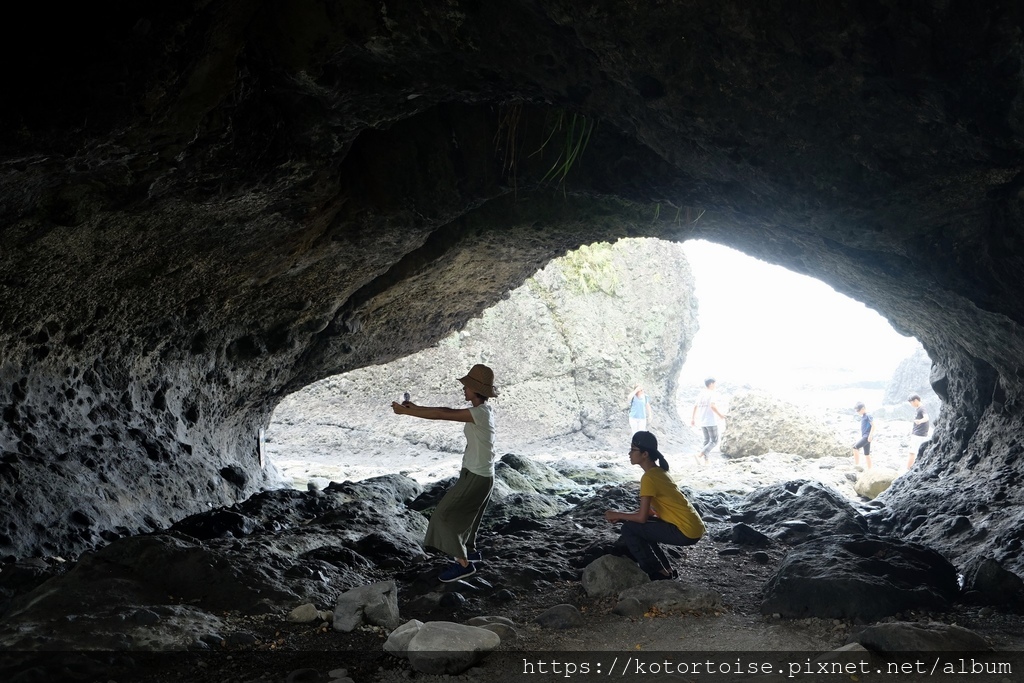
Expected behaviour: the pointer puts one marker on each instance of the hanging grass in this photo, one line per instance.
(577, 130)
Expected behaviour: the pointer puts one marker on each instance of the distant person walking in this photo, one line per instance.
(665, 516)
(919, 430)
(639, 410)
(453, 526)
(704, 414)
(867, 433)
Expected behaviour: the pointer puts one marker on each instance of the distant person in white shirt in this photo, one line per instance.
(704, 413)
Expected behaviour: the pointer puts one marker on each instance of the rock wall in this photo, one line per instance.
(566, 348)
(962, 494)
(912, 376)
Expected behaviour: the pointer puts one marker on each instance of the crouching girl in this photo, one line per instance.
(665, 516)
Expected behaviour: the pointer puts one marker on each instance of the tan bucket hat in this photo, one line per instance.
(481, 380)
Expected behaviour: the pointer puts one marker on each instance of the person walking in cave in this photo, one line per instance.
(665, 515)
(867, 433)
(453, 526)
(704, 414)
(919, 430)
(639, 410)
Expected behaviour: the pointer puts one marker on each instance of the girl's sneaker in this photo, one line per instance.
(456, 571)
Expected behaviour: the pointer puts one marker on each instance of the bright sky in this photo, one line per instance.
(769, 327)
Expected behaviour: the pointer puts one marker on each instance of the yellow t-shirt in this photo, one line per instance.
(669, 503)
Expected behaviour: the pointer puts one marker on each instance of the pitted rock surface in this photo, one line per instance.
(859, 577)
(796, 511)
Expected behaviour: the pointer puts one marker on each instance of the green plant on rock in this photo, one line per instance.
(591, 269)
(577, 129)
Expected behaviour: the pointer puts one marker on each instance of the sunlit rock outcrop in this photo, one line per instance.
(566, 349)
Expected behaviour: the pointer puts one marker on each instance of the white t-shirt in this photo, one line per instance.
(705, 416)
(479, 455)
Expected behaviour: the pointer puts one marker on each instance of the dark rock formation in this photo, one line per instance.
(355, 547)
(911, 637)
(796, 511)
(206, 206)
(986, 582)
(859, 577)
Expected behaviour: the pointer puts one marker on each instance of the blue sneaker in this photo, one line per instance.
(475, 556)
(456, 571)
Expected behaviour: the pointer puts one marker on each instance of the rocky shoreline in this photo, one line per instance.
(272, 573)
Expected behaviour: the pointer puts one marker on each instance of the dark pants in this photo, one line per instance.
(642, 541)
(710, 439)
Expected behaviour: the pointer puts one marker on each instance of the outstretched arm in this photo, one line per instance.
(640, 515)
(432, 413)
(714, 409)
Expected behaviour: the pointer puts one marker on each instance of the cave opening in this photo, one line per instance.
(759, 328)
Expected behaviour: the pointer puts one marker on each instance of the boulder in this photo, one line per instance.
(443, 647)
(560, 617)
(859, 577)
(536, 476)
(304, 614)
(490, 619)
(567, 316)
(795, 511)
(903, 636)
(744, 534)
(507, 633)
(870, 483)
(673, 596)
(398, 641)
(375, 604)
(911, 376)
(610, 575)
(629, 607)
(760, 423)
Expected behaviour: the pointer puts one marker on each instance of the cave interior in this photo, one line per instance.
(208, 205)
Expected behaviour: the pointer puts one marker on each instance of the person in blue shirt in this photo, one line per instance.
(639, 410)
(867, 432)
